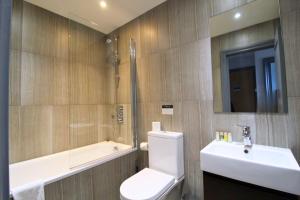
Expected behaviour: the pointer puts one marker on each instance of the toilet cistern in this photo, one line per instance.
(166, 168)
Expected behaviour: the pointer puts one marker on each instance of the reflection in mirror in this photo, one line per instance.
(248, 59)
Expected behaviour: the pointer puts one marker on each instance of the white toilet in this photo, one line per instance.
(166, 168)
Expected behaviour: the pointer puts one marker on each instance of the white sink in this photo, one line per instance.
(269, 167)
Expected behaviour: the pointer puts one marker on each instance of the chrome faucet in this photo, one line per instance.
(246, 136)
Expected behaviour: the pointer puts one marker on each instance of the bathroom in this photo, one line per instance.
(89, 87)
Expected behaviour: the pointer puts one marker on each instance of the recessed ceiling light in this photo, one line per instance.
(237, 15)
(103, 4)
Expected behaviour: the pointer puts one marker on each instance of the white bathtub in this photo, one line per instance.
(61, 165)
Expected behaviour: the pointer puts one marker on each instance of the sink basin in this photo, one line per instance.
(266, 166)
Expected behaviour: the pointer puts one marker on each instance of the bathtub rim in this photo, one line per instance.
(84, 167)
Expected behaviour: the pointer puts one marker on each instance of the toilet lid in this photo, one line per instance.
(148, 184)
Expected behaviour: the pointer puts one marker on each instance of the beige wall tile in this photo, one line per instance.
(15, 138)
(187, 21)
(174, 23)
(90, 84)
(86, 46)
(53, 191)
(148, 29)
(79, 43)
(83, 125)
(15, 78)
(60, 83)
(110, 82)
(191, 128)
(79, 91)
(277, 129)
(154, 30)
(44, 80)
(123, 88)
(162, 17)
(98, 177)
(44, 32)
(61, 37)
(192, 144)
(16, 25)
(69, 188)
(143, 86)
(97, 48)
(85, 183)
(202, 16)
(122, 168)
(95, 183)
(262, 128)
(37, 130)
(293, 132)
(97, 84)
(204, 55)
(291, 37)
(190, 72)
(287, 6)
(106, 120)
(36, 79)
(60, 129)
(156, 70)
(35, 126)
(172, 83)
(147, 113)
(142, 122)
(206, 122)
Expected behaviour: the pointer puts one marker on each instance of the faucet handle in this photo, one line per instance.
(246, 130)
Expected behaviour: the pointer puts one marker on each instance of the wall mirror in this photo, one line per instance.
(248, 59)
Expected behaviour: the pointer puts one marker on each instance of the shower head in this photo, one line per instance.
(108, 41)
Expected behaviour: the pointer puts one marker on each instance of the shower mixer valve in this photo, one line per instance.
(120, 114)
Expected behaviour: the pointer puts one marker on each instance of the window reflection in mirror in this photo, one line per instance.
(248, 59)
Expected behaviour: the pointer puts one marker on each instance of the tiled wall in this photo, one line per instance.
(174, 67)
(61, 95)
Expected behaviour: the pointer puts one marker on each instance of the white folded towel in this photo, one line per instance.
(30, 191)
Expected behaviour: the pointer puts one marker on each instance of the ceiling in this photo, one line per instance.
(89, 12)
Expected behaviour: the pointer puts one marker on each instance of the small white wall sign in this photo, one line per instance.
(167, 109)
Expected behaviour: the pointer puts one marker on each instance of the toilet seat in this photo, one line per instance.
(148, 184)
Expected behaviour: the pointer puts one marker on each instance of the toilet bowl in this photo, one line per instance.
(166, 169)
